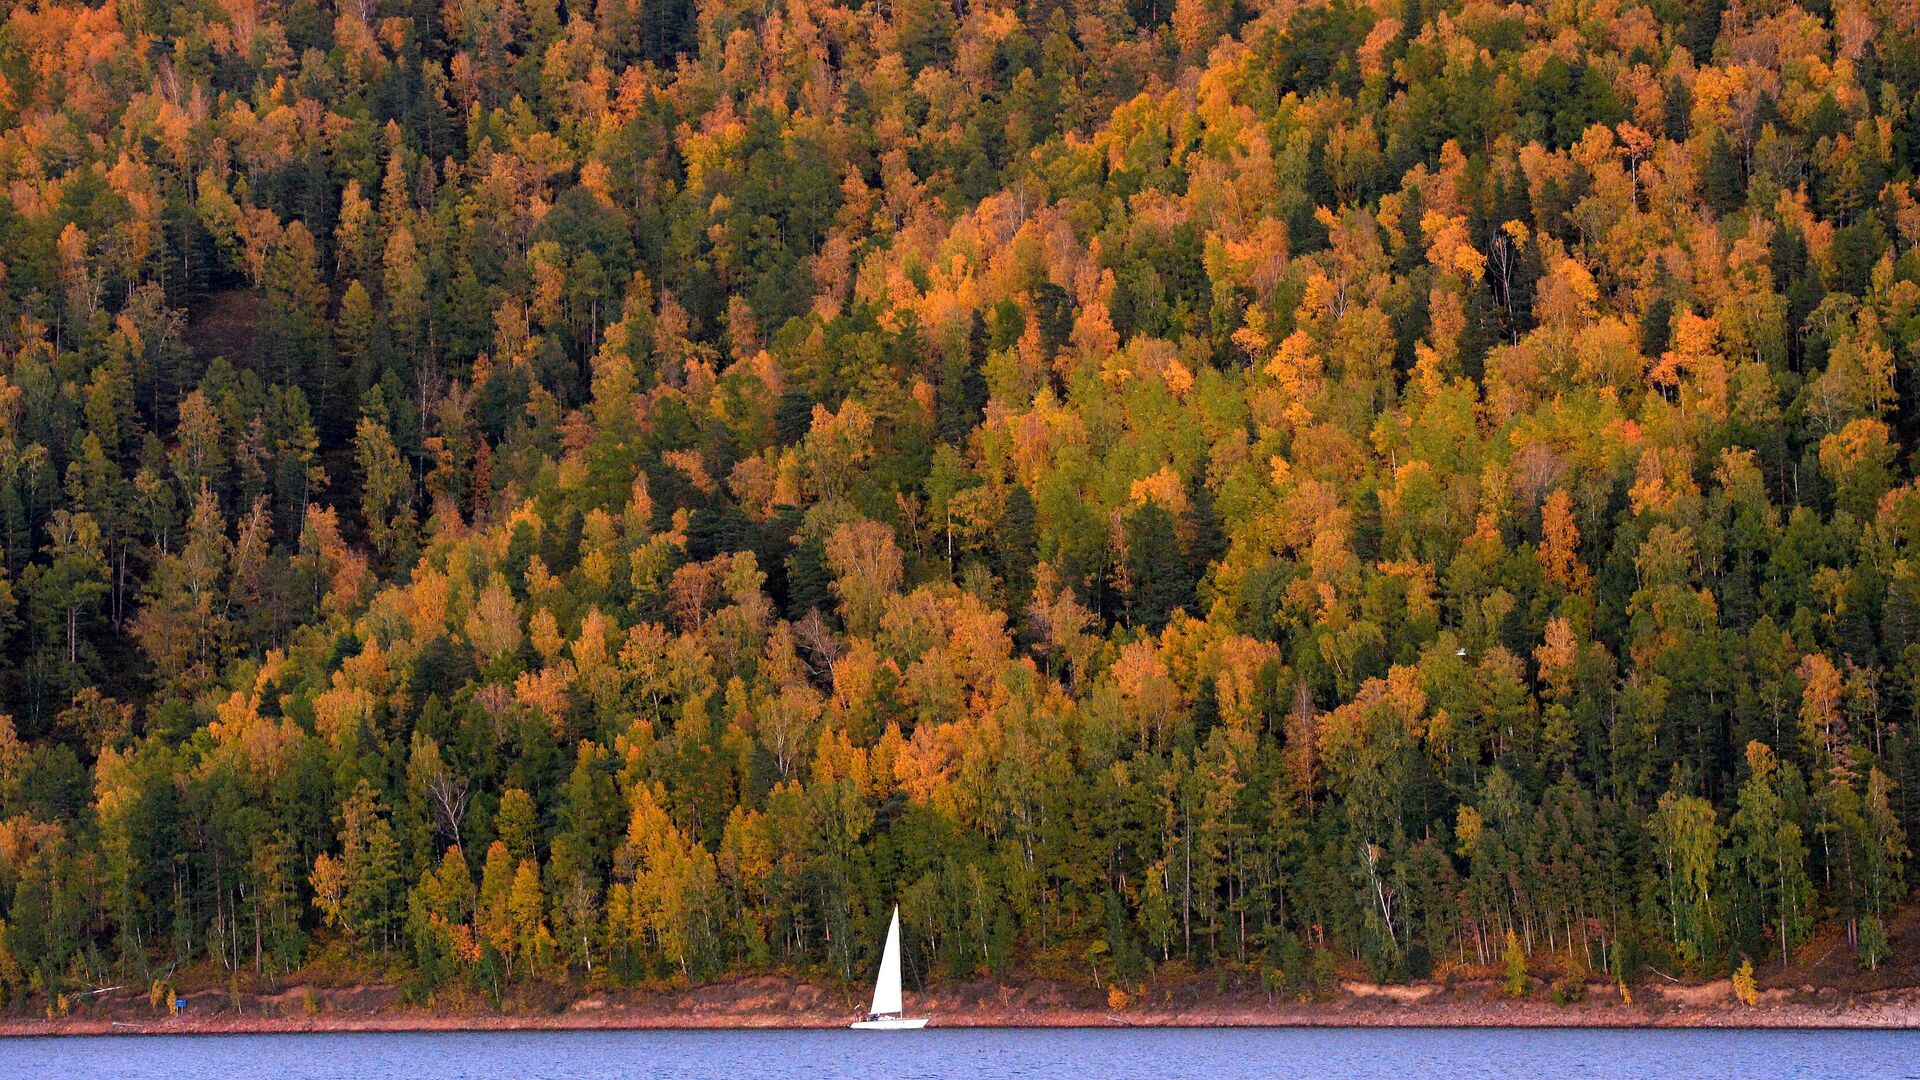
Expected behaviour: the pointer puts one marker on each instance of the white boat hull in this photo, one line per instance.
(900, 1023)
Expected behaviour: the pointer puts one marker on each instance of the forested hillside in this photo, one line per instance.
(514, 492)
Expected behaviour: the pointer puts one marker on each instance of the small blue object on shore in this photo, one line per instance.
(180, 1004)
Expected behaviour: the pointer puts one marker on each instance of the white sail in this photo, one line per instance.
(887, 1014)
(886, 988)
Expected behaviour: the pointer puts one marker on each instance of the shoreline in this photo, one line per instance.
(773, 1004)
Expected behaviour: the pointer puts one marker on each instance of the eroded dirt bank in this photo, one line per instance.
(769, 1002)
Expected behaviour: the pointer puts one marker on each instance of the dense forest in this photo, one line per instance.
(502, 493)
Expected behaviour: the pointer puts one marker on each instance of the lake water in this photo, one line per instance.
(1082, 1054)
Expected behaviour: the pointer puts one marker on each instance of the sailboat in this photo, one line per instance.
(887, 1014)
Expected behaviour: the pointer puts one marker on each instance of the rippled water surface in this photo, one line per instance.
(1085, 1053)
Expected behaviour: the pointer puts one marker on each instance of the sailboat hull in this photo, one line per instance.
(891, 1024)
